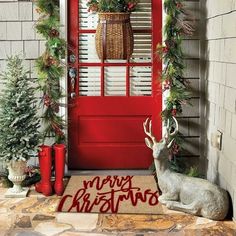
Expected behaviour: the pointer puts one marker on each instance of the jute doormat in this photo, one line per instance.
(111, 194)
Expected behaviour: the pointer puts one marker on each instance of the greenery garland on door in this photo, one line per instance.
(174, 83)
(50, 68)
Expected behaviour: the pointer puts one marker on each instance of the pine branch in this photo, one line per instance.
(171, 53)
(50, 69)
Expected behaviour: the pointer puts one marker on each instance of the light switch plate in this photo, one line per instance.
(216, 140)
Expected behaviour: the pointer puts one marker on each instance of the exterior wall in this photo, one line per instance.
(190, 119)
(219, 70)
(17, 33)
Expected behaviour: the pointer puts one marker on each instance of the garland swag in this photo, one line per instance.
(174, 83)
(50, 69)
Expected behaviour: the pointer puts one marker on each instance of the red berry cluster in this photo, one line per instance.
(165, 49)
(174, 110)
(30, 171)
(93, 8)
(179, 5)
(175, 149)
(131, 6)
(47, 100)
(57, 129)
(166, 85)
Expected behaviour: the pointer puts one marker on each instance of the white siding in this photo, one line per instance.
(219, 69)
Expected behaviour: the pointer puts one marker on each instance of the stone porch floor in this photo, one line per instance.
(35, 215)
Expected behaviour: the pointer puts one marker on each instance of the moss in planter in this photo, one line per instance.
(5, 182)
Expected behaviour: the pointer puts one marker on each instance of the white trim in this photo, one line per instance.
(202, 34)
(166, 93)
(63, 110)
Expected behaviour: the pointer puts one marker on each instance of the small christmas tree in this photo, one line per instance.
(19, 135)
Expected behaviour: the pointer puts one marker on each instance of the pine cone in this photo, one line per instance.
(53, 33)
(55, 107)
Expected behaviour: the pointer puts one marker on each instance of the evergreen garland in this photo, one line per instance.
(112, 5)
(175, 85)
(19, 136)
(50, 69)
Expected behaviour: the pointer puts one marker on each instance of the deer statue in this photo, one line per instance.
(180, 192)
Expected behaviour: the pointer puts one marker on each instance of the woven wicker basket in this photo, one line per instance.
(114, 36)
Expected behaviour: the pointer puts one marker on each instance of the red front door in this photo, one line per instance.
(110, 100)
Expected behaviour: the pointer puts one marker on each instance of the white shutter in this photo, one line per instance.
(141, 81)
(142, 47)
(87, 49)
(89, 81)
(87, 20)
(115, 77)
(115, 81)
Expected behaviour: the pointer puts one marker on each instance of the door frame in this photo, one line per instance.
(64, 80)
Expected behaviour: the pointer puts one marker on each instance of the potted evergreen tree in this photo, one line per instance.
(19, 136)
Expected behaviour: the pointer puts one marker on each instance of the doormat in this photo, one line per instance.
(111, 194)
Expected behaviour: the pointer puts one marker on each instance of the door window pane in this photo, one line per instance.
(140, 81)
(115, 81)
(89, 81)
(87, 49)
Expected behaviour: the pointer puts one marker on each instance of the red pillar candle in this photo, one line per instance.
(45, 163)
(60, 150)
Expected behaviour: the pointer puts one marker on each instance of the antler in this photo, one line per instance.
(149, 132)
(147, 126)
(171, 134)
(176, 130)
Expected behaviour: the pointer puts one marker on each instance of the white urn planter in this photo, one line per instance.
(16, 176)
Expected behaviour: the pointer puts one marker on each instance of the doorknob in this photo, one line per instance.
(72, 76)
(72, 58)
(73, 95)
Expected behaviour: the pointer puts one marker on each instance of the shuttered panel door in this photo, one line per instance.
(111, 99)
